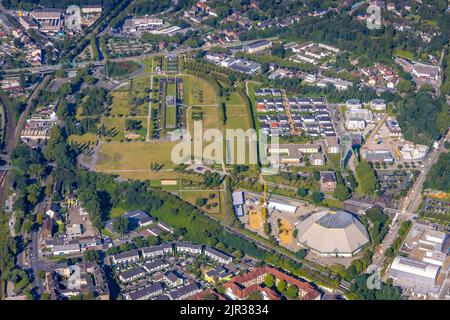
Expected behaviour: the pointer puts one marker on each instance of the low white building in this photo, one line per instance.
(415, 276)
(281, 207)
(424, 71)
(413, 152)
(355, 124)
(64, 249)
(378, 104)
(317, 159)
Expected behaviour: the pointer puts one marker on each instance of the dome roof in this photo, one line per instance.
(332, 232)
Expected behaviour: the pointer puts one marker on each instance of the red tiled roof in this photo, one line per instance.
(238, 284)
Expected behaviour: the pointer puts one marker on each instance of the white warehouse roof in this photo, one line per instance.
(415, 267)
(282, 207)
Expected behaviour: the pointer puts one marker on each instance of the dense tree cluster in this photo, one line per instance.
(439, 175)
(367, 179)
(422, 118)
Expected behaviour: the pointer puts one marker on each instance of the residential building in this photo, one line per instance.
(327, 181)
(217, 255)
(355, 124)
(173, 278)
(353, 104)
(241, 287)
(146, 293)
(132, 274)
(155, 251)
(257, 46)
(186, 247)
(126, 257)
(156, 265)
(331, 144)
(378, 104)
(185, 292)
(317, 159)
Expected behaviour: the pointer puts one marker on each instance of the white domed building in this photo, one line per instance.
(333, 233)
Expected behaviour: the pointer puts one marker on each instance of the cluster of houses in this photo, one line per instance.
(380, 76)
(356, 116)
(39, 124)
(308, 114)
(29, 52)
(82, 279)
(160, 272)
(59, 238)
(310, 52)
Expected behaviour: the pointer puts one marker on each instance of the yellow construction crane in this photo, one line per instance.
(398, 153)
(263, 204)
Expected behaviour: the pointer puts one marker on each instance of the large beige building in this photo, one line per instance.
(334, 233)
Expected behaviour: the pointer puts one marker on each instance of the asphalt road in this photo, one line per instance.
(14, 137)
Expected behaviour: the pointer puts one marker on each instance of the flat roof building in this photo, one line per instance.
(416, 276)
(379, 156)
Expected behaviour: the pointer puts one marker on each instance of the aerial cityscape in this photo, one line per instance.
(224, 150)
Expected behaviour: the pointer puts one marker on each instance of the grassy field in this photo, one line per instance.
(237, 117)
(191, 196)
(87, 138)
(120, 105)
(117, 125)
(171, 117)
(404, 54)
(150, 175)
(198, 92)
(134, 155)
(235, 99)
